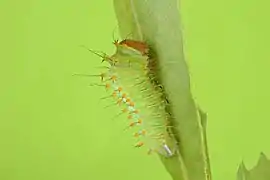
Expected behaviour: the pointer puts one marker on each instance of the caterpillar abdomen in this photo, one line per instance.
(129, 81)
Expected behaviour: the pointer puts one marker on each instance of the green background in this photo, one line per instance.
(53, 126)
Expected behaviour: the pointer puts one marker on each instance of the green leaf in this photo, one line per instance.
(157, 22)
(260, 172)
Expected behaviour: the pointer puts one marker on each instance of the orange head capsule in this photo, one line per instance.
(130, 48)
(137, 45)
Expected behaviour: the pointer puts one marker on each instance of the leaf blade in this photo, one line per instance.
(158, 23)
(260, 172)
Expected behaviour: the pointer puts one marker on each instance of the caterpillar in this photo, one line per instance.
(131, 82)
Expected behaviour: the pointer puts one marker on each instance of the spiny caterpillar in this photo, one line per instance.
(131, 82)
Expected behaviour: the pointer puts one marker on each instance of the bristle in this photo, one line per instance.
(125, 110)
(101, 75)
(102, 55)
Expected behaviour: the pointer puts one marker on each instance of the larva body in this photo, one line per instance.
(142, 101)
